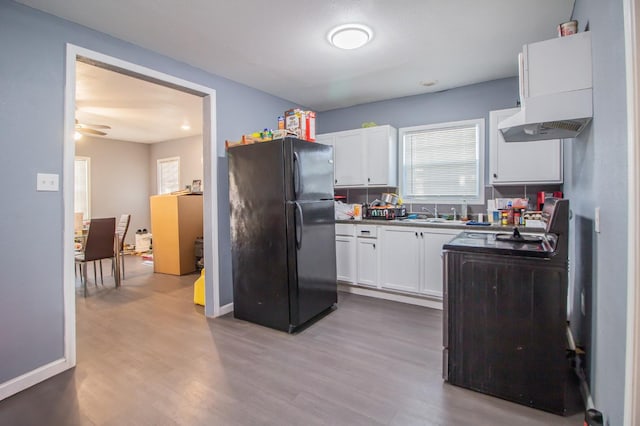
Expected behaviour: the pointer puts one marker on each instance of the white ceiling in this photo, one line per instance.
(280, 46)
(136, 110)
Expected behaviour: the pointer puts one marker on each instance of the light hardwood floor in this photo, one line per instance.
(148, 356)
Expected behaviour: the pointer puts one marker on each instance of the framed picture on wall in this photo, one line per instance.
(196, 185)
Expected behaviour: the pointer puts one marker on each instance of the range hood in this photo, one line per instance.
(553, 116)
(555, 90)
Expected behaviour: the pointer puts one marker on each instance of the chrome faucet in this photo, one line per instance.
(434, 212)
(454, 212)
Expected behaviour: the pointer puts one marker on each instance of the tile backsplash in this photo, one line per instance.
(368, 195)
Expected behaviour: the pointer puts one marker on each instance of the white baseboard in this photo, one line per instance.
(225, 309)
(33, 377)
(387, 295)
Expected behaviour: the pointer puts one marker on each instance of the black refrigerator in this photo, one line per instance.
(282, 232)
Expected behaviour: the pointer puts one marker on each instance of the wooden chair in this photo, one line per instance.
(121, 230)
(100, 244)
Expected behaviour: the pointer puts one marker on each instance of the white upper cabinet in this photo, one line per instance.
(349, 161)
(381, 145)
(364, 157)
(534, 162)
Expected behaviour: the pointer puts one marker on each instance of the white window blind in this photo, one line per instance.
(168, 175)
(443, 162)
(82, 187)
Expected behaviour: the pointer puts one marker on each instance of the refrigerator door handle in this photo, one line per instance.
(299, 226)
(296, 174)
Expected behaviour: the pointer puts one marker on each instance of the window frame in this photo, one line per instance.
(87, 161)
(159, 161)
(479, 123)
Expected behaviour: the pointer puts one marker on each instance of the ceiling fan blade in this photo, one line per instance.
(86, 131)
(94, 126)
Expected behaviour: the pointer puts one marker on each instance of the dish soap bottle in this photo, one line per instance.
(463, 213)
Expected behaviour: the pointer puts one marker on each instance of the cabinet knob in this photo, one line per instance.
(495, 175)
(374, 246)
(368, 179)
(421, 235)
(336, 180)
(416, 235)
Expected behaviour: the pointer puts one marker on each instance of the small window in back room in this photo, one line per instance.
(168, 175)
(82, 187)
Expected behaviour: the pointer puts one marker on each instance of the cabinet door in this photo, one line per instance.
(367, 265)
(522, 162)
(381, 155)
(432, 240)
(400, 258)
(346, 258)
(348, 158)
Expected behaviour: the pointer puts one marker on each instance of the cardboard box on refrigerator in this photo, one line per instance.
(301, 123)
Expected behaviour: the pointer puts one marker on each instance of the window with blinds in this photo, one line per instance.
(168, 175)
(82, 187)
(443, 162)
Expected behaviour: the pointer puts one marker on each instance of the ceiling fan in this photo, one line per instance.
(91, 129)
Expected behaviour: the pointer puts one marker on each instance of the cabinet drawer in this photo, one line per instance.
(345, 229)
(367, 231)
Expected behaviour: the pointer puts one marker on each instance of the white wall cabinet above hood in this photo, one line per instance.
(555, 90)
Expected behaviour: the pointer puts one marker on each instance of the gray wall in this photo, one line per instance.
(190, 152)
(119, 180)
(32, 85)
(598, 177)
(462, 103)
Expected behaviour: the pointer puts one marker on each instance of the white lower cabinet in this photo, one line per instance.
(400, 258)
(367, 255)
(346, 252)
(367, 263)
(432, 242)
(411, 259)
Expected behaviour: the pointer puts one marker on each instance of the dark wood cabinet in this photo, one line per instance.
(506, 322)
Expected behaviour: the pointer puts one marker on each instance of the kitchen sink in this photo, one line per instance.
(435, 221)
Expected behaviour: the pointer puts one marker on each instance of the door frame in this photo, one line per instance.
(210, 193)
(632, 361)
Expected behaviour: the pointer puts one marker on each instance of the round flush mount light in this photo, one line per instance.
(350, 36)
(185, 126)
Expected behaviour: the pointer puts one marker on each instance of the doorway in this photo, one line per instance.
(210, 225)
(138, 139)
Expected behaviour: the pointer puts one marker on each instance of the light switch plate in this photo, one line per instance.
(48, 182)
(597, 220)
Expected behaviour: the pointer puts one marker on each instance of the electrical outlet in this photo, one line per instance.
(597, 220)
(47, 182)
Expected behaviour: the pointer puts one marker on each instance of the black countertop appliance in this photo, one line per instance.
(282, 232)
(505, 314)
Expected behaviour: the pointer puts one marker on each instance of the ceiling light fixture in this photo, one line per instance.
(185, 126)
(350, 36)
(77, 136)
